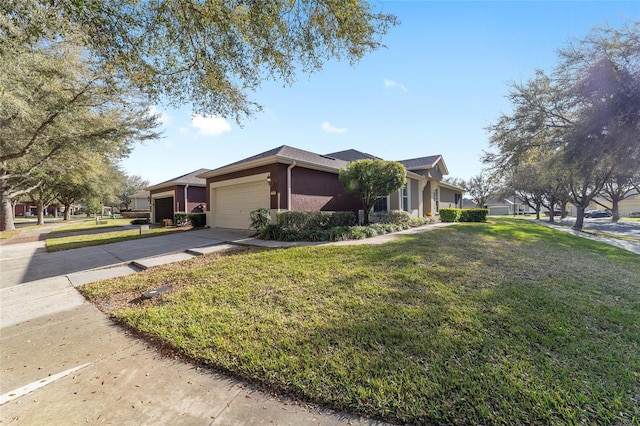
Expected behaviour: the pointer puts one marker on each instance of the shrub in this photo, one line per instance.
(358, 232)
(140, 221)
(339, 233)
(197, 220)
(271, 232)
(450, 215)
(314, 220)
(260, 219)
(343, 218)
(418, 221)
(393, 216)
(136, 215)
(463, 215)
(180, 219)
(474, 215)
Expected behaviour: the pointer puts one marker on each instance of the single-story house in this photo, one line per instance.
(287, 178)
(625, 207)
(140, 201)
(182, 194)
(507, 206)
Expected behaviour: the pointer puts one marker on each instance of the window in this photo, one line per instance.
(380, 205)
(436, 199)
(405, 197)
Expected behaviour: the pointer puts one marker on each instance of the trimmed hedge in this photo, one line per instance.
(463, 215)
(140, 221)
(300, 221)
(398, 217)
(335, 226)
(450, 215)
(136, 215)
(474, 215)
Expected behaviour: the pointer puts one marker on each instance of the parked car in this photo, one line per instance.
(598, 213)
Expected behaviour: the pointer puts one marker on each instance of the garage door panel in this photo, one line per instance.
(234, 203)
(163, 209)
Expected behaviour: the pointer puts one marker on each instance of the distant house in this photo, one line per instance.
(508, 206)
(625, 207)
(184, 193)
(287, 178)
(140, 201)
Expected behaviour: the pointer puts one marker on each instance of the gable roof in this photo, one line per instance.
(331, 162)
(284, 154)
(421, 162)
(186, 179)
(352, 155)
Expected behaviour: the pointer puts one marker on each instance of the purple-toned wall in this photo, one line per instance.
(317, 190)
(20, 209)
(196, 197)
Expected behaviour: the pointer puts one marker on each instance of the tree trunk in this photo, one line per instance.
(565, 213)
(552, 211)
(67, 211)
(538, 211)
(40, 206)
(6, 210)
(615, 210)
(579, 219)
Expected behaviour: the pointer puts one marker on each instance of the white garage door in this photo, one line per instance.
(234, 203)
(498, 210)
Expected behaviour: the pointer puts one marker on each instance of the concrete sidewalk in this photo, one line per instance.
(64, 362)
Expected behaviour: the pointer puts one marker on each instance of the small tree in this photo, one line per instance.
(370, 179)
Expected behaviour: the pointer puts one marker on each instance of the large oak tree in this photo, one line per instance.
(587, 111)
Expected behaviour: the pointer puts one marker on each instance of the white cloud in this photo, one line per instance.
(390, 84)
(329, 128)
(213, 126)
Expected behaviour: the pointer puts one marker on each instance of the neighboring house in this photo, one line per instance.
(287, 178)
(184, 193)
(30, 210)
(140, 201)
(507, 206)
(625, 207)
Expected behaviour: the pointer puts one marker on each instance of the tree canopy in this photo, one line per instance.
(207, 53)
(55, 103)
(586, 113)
(370, 179)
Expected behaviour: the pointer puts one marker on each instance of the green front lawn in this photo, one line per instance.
(87, 240)
(507, 322)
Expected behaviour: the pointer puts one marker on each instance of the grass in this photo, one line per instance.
(88, 224)
(508, 322)
(87, 240)
(5, 235)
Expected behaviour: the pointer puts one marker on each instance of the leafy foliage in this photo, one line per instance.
(579, 124)
(260, 219)
(370, 179)
(463, 215)
(208, 54)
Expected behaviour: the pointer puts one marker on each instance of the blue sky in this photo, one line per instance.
(439, 83)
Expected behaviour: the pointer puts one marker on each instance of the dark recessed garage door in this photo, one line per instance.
(163, 209)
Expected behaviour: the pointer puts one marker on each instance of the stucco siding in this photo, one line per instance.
(316, 190)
